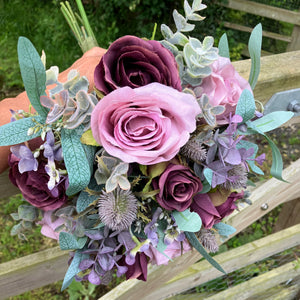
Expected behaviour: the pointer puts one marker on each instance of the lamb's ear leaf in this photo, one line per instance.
(17, 132)
(33, 74)
(197, 245)
(223, 46)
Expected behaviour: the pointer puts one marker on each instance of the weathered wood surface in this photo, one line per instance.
(236, 259)
(264, 287)
(272, 192)
(272, 35)
(278, 73)
(263, 10)
(289, 215)
(32, 271)
(260, 284)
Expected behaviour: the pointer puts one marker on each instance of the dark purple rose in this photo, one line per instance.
(34, 186)
(211, 214)
(138, 269)
(134, 62)
(177, 185)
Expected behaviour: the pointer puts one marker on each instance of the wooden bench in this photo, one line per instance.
(278, 72)
(268, 11)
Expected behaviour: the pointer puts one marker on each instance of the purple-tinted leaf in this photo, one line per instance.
(94, 278)
(125, 239)
(233, 157)
(94, 234)
(105, 250)
(121, 270)
(106, 262)
(86, 264)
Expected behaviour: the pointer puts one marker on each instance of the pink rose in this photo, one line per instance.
(173, 250)
(146, 125)
(211, 214)
(224, 87)
(177, 186)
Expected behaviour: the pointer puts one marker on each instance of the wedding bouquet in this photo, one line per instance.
(142, 166)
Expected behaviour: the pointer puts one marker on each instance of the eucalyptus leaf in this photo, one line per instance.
(179, 20)
(77, 164)
(17, 132)
(33, 74)
(73, 268)
(223, 46)
(68, 241)
(254, 47)
(187, 221)
(197, 245)
(208, 174)
(224, 229)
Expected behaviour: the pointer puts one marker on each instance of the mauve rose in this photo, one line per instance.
(177, 186)
(211, 214)
(134, 62)
(173, 250)
(146, 125)
(34, 186)
(224, 87)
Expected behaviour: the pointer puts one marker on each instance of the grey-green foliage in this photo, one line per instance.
(193, 57)
(26, 214)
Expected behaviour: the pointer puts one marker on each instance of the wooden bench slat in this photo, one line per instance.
(263, 10)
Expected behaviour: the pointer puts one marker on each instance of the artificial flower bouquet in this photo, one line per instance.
(143, 164)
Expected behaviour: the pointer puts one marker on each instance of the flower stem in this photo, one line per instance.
(84, 34)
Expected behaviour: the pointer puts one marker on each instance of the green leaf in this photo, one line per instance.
(33, 74)
(77, 164)
(224, 229)
(73, 268)
(197, 245)
(223, 46)
(187, 221)
(246, 106)
(272, 120)
(208, 174)
(16, 132)
(254, 47)
(277, 164)
(68, 241)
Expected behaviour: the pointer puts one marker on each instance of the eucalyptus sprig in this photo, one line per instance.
(84, 33)
(195, 58)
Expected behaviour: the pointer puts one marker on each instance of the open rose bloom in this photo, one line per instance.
(135, 155)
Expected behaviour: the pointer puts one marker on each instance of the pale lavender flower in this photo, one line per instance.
(27, 161)
(151, 228)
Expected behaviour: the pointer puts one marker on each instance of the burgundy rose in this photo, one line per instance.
(211, 214)
(138, 269)
(34, 186)
(177, 185)
(134, 62)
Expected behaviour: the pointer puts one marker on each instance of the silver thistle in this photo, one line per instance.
(117, 209)
(208, 240)
(237, 178)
